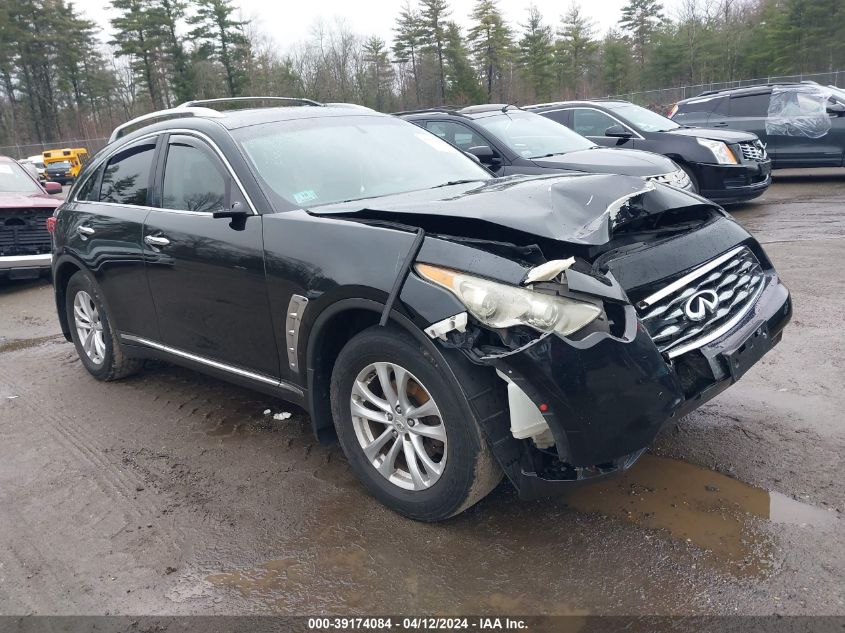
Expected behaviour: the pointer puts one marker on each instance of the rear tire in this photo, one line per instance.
(458, 468)
(92, 334)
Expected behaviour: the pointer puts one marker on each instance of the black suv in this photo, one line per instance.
(724, 166)
(509, 140)
(802, 125)
(443, 325)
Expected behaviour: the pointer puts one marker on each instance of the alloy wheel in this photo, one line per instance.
(398, 426)
(89, 327)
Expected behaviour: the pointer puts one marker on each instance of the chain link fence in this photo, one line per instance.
(663, 99)
(19, 152)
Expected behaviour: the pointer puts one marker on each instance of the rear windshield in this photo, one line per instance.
(323, 160)
(644, 119)
(532, 135)
(13, 179)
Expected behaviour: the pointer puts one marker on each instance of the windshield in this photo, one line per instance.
(13, 179)
(310, 162)
(644, 119)
(533, 136)
(61, 164)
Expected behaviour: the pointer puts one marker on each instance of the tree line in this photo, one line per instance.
(59, 81)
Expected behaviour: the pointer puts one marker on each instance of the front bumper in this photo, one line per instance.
(733, 183)
(608, 396)
(22, 266)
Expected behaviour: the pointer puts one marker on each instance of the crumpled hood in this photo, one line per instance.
(579, 209)
(604, 160)
(726, 136)
(28, 201)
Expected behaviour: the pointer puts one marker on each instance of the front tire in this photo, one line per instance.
(404, 428)
(92, 334)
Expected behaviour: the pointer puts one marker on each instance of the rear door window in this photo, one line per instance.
(558, 116)
(126, 179)
(457, 134)
(194, 179)
(591, 122)
(750, 105)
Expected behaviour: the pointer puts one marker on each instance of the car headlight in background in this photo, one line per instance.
(501, 306)
(721, 152)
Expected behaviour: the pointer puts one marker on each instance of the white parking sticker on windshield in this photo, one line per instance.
(440, 146)
(304, 196)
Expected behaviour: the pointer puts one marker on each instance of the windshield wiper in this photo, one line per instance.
(549, 155)
(456, 182)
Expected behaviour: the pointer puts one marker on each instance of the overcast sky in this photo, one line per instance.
(289, 21)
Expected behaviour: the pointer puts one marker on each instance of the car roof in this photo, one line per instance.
(469, 112)
(747, 90)
(6, 159)
(602, 103)
(294, 108)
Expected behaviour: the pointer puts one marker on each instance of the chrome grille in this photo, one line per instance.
(24, 231)
(752, 150)
(675, 317)
(678, 178)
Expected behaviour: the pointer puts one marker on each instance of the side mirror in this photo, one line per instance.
(485, 154)
(237, 210)
(618, 131)
(836, 109)
(52, 187)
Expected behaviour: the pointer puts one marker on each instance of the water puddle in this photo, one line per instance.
(19, 344)
(715, 512)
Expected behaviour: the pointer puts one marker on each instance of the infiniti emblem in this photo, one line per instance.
(701, 304)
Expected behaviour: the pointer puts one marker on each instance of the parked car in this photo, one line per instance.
(443, 325)
(724, 166)
(508, 140)
(802, 125)
(38, 162)
(25, 208)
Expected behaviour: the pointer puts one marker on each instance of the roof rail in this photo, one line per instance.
(164, 114)
(434, 110)
(203, 102)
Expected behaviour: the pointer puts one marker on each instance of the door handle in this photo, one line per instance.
(85, 230)
(156, 240)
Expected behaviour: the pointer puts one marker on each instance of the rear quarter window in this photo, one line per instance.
(750, 105)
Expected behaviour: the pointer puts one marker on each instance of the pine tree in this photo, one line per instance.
(536, 51)
(380, 72)
(640, 19)
(221, 39)
(575, 49)
(461, 78)
(167, 15)
(433, 27)
(136, 36)
(616, 63)
(407, 43)
(490, 42)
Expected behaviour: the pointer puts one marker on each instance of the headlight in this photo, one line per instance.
(721, 152)
(501, 306)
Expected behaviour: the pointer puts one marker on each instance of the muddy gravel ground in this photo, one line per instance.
(173, 493)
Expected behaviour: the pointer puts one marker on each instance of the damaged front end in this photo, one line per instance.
(590, 325)
(580, 405)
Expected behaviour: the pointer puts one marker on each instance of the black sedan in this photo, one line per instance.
(507, 140)
(445, 326)
(724, 165)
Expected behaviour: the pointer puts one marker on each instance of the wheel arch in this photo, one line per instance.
(332, 329)
(63, 270)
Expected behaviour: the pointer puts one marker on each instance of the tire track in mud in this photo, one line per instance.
(112, 479)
